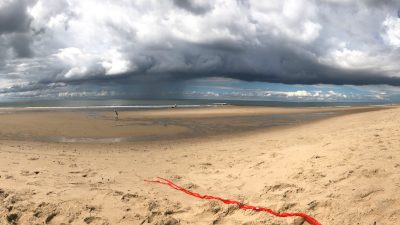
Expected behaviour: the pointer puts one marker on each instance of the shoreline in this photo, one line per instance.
(98, 126)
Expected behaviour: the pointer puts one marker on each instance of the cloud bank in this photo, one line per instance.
(47, 44)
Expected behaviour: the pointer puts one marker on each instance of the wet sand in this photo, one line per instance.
(60, 125)
(340, 170)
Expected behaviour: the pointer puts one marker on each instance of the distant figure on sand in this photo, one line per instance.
(116, 114)
(174, 106)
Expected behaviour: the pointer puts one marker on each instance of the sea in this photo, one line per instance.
(138, 104)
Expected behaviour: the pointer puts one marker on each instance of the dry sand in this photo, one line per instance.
(340, 170)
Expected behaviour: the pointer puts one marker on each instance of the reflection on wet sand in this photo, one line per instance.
(86, 126)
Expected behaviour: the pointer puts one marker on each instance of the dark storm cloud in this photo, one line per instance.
(120, 43)
(280, 66)
(20, 43)
(193, 6)
(14, 17)
(15, 29)
(380, 3)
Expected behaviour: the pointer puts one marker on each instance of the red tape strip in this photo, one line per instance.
(169, 183)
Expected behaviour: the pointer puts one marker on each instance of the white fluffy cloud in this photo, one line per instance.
(392, 31)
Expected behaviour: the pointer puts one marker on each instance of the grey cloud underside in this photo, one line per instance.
(14, 18)
(59, 45)
(21, 44)
(15, 31)
(193, 7)
(273, 64)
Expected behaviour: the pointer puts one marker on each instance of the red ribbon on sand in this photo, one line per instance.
(169, 183)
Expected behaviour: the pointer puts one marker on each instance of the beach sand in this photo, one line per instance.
(340, 170)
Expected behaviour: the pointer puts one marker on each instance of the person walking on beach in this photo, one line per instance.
(116, 114)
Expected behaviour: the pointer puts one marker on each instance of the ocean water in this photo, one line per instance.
(133, 104)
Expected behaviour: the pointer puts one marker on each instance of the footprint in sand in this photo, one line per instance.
(84, 173)
(283, 189)
(29, 173)
(127, 197)
(95, 220)
(33, 158)
(366, 194)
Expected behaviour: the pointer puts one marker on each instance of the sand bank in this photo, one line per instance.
(340, 170)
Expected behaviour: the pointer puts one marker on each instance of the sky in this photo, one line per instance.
(295, 50)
